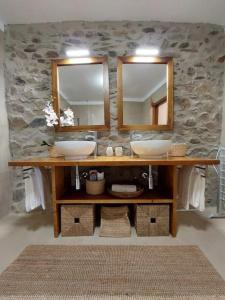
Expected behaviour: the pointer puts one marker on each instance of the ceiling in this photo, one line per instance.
(83, 84)
(27, 11)
(140, 81)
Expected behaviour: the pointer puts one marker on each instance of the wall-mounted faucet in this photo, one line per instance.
(149, 177)
(135, 137)
(75, 178)
(93, 136)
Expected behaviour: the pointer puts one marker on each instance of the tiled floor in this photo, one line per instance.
(18, 231)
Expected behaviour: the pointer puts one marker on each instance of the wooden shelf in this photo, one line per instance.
(113, 161)
(80, 197)
(61, 179)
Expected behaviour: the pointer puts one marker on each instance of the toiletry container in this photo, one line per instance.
(95, 187)
(52, 152)
(178, 149)
(109, 151)
(119, 151)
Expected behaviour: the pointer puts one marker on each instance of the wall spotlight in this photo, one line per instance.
(78, 53)
(147, 51)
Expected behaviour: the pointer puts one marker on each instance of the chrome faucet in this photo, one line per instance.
(77, 179)
(136, 137)
(93, 136)
(148, 176)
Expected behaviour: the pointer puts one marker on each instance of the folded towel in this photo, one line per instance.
(124, 188)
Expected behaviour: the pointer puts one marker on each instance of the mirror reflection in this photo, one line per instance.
(145, 94)
(81, 89)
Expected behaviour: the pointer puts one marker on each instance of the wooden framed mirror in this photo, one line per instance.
(81, 84)
(145, 93)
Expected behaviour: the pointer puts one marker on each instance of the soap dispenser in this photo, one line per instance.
(109, 150)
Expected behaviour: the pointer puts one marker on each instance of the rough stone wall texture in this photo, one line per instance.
(198, 51)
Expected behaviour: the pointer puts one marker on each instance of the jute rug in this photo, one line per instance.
(111, 272)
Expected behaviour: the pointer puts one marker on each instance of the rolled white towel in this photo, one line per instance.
(124, 188)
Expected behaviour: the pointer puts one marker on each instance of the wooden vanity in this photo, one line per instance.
(63, 194)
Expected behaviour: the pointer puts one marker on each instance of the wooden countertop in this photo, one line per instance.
(112, 161)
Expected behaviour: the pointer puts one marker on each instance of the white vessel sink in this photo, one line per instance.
(151, 148)
(75, 149)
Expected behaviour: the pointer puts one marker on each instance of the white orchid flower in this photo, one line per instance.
(50, 115)
(67, 119)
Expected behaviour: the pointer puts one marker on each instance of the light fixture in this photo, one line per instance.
(78, 53)
(147, 51)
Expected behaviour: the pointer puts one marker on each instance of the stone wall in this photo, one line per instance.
(198, 51)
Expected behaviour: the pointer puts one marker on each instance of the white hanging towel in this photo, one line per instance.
(196, 191)
(34, 189)
(29, 191)
(183, 186)
(191, 188)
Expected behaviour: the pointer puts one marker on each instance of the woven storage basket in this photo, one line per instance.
(152, 220)
(95, 187)
(77, 220)
(178, 149)
(52, 152)
(115, 222)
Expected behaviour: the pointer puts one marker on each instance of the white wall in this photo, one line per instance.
(133, 113)
(89, 114)
(5, 187)
(223, 119)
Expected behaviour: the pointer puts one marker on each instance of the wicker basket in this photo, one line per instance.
(95, 187)
(178, 149)
(115, 222)
(52, 152)
(77, 220)
(152, 220)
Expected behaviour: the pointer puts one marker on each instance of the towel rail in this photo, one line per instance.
(203, 170)
(220, 171)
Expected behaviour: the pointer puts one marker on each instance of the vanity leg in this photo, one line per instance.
(173, 209)
(173, 218)
(55, 206)
(56, 221)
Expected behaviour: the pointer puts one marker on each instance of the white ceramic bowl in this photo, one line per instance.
(75, 149)
(151, 148)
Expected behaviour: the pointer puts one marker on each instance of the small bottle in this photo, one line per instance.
(100, 176)
(119, 151)
(93, 175)
(109, 151)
